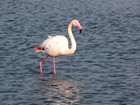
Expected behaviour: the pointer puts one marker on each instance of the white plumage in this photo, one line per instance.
(55, 45)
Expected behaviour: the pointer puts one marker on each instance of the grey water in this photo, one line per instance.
(105, 69)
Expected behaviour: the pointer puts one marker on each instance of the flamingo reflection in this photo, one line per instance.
(60, 91)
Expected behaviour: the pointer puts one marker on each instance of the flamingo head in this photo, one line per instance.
(77, 24)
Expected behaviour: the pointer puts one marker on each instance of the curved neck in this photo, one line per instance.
(73, 42)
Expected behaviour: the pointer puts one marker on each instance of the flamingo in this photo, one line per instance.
(58, 45)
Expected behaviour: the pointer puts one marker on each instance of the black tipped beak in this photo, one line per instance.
(80, 31)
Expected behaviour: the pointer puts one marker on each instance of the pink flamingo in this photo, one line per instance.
(58, 45)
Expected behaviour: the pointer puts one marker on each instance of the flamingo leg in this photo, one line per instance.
(54, 68)
(42, 62)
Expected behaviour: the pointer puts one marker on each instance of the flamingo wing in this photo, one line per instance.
(55, 45)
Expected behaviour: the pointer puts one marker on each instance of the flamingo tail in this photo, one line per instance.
(39, 49)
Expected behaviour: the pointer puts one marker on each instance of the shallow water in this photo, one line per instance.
(103, 71)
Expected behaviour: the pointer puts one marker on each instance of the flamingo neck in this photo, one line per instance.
(72, 40)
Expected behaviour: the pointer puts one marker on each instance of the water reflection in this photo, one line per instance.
(60, 91)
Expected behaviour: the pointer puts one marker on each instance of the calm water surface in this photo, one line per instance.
(105, 70)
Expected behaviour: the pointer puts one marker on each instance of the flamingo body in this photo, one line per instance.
(54, 45)
(58, 45)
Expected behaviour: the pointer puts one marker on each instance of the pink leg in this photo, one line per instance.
(42, 62)
(54, 68)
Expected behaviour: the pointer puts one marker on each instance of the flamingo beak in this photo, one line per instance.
(79, 27)
(80, 31)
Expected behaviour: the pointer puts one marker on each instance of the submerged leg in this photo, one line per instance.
(42, 62)
(54, 68)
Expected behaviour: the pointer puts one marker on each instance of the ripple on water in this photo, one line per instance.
(104, 70)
